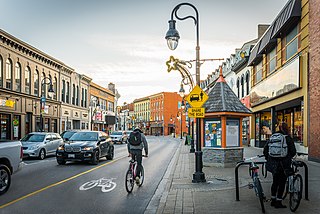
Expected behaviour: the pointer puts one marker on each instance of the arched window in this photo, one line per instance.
(17, 77)
(73, 94)
(247, 81)
(36, 82)
(27, 73)
(50, 82)
(55, 88)
(8, 74)
(1, 71)
(63, 90)
(77, 99)
(43, 85)
(242, 86)
(238, 87)
(68, 93)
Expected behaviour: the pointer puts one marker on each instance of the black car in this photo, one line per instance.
(86, 146)
(67, 134)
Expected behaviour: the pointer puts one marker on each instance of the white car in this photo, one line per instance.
(117, 137)
(40, 144)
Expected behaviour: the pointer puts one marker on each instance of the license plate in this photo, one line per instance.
(71, 156)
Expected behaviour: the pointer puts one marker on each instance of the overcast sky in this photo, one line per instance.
(122, 41)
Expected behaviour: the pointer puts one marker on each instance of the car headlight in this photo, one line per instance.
(34, 147)
(87, 148)
(61, 148)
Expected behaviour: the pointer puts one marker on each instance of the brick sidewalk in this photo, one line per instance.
(217, 194)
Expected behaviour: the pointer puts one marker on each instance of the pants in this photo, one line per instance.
(278, 184)
(137, 155)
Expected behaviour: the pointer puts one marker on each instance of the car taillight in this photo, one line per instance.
(21, 152)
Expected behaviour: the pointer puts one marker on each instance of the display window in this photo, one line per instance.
(265, 127)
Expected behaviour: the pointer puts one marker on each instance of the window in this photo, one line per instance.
(238, 87)
(68, 93)
(247, 82)
(49, 84)
(17, 76)
(55, 88)
(272, 61)
(63, 90)
(85, 97)
(8, 74)
(110, 106)
(1, 71)
(242, 86)
(77, 99)
(43, 85)
(82, 97)
(258, 73)
(73, 94)
(27, 74)
(103, 104)
(291, 43)
(36, 83)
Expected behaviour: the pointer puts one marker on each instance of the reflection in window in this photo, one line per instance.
(27, 74)
(18, 77)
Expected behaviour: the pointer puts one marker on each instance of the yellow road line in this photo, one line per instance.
(58, 183)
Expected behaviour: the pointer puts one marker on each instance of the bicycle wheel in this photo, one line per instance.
(88, 185)
(286, 190)
(129, 182)
(259, 193)
(141, 177)
(296, 194)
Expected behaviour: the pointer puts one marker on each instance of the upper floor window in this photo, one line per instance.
(55, 88)
(43, 85)
(77, 99)
(8, 74)
(110, 106)
(291, 43)
(238, 87)
(103, 104)
(1, 71)
(257, 73)
(85, 97)
(82, 97)
(242, 86)
(247, 83)
(68, 93)
(51, 83)
(63, 90)
(27, 82)
(272, 61)
(36, 82)
(73, 94)
(17, 77)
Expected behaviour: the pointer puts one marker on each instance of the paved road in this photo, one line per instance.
(45, 187)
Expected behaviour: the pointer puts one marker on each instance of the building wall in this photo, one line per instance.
(314, 76)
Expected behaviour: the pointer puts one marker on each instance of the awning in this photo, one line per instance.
(288, 16)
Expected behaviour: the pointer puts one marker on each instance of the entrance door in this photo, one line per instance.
(5, 127)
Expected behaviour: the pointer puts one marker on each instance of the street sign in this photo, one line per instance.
(196, 112)
(197, 97)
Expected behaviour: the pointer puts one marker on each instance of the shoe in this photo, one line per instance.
(137, 180)
(278, 204)
(273, 202)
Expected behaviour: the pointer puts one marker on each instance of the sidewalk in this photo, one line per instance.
(218, 194)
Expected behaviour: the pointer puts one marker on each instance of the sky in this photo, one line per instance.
(122, 41)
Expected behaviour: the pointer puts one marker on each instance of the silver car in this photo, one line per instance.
(40, 144)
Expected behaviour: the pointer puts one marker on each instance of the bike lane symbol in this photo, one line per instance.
(106, 184)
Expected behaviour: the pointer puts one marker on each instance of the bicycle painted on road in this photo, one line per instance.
(106, 184)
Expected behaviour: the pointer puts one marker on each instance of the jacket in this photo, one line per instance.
(143, 145)
(273, 164)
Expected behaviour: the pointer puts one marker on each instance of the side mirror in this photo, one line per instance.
(66, 139)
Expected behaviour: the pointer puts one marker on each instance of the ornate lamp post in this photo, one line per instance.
(173, 37)
(43, 98)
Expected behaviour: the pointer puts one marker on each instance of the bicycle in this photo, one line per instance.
(131, 175)
(256, 184)
(294, 185)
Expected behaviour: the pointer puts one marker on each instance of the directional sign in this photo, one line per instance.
(196, 112)
(197, 97)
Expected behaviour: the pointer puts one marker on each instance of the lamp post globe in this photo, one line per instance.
(172, 35)
(181, 91)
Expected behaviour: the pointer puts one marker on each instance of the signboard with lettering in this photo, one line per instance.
(197, 97)
(196, 112)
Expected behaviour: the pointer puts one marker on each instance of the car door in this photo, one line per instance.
(103, 144)
(48, 143)
(56, 141)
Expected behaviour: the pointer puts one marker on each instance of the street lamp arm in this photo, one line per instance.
(175, 13)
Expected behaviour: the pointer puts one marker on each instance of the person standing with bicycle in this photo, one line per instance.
(278, 152)
(136, 143)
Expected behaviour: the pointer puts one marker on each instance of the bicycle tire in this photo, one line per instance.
(286, 190)
(141, 176)
(260, 194)
(129, 182)
(296, 194)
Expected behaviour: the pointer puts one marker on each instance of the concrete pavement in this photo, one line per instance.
(177, 194)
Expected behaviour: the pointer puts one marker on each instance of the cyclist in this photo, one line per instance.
(278, 166)
(136, 143)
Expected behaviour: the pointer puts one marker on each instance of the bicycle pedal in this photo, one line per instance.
(250, 186)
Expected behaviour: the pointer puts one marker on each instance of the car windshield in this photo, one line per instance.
(33, 138)
(84, 136)
(116, 133)
(67, 134)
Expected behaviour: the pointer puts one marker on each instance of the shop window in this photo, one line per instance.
(54, 125)
(28, 123)
(272, 61)
(265, 128)
(5, 127)
(298, 126)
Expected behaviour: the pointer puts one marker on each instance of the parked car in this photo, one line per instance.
(67, 134)
(40, 144)
(10, 162)
(86, 146)
(117, 137)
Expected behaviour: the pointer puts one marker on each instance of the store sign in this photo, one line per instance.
(7, 103)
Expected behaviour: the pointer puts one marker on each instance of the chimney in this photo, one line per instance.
(112, 87)
(261, 29)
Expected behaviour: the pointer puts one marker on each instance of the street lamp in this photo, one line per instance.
(174, 127)
(43, 98)
(93, 112)
(172, 38)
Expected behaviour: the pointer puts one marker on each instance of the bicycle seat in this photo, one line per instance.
(254, 167)
(297, 163)
(131, 161)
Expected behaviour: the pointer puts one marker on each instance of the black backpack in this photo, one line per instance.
(135, 138)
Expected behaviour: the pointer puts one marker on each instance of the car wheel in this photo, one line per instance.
(5, 179)
(95, 158)
(61, 161)
(42, 154)
(110, 153)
